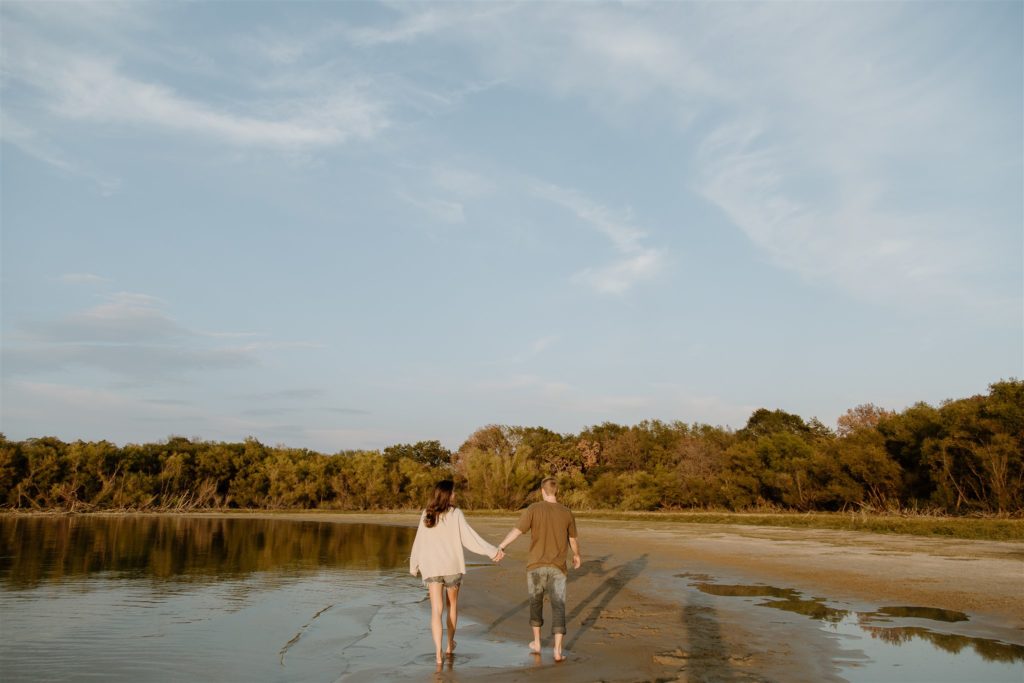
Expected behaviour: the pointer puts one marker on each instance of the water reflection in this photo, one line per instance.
(792, 601)
(746, 591)
(148, 599)
(39, 550)
(933, 613)
(989, 650)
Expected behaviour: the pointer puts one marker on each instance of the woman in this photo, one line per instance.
(437, 557)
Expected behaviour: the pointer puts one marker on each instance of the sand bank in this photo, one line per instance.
(634, 614)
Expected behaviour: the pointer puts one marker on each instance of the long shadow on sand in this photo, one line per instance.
(617, 579)
(708, 655)
(603, 595)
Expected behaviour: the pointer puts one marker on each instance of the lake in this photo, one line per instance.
(168, 598)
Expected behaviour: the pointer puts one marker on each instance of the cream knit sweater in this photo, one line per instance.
(437, 551)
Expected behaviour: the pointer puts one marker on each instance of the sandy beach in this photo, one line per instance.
(634, 613)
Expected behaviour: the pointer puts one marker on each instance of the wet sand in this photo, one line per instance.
(634, 615)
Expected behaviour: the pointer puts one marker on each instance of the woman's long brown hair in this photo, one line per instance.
(441, 502)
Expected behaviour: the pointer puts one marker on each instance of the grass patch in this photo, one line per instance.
(974, 528)
(989, 528)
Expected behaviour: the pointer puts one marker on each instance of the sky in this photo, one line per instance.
(350, 225)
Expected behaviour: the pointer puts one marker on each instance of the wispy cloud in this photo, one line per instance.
(637, 263)
(133, 362)
(532, 391)
(460, 182)
(301, 394)
(126, 317)
(129, 335)
(84, 279)
(81, 85)
(416, 22)
(543, 343)
(95, 89)
(821, 143)
(36, 145)
(620, 276)
(348, 411)
(619, 229)
(832, 168)
(438, 210)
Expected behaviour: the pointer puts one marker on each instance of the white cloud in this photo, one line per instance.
(72, 411)
(637, 263)
(620, 276)
(36, 145)
(847, 148)
(83, 279)
(440, 210)
(125, 317)
(543, 343)
(79, 85)
(95, 89)
(625, 236)
(460, 182)
(417, 23)
(529, 392)
(131, 336)
(855, 164)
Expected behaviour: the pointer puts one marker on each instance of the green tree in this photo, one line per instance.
(429, 453)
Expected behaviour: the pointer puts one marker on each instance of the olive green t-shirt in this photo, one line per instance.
(550, 526)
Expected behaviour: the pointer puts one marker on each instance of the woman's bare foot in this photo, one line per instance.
(440, 659)
(535, 647)
(451, 648)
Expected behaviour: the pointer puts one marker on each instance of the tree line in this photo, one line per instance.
(964, 456)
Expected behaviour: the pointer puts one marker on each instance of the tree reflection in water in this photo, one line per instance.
(38, 550)
(791, 600)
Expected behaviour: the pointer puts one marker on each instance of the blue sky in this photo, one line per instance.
(349, 225)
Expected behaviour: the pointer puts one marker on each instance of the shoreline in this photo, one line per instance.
(633, 613)
(1006, 527)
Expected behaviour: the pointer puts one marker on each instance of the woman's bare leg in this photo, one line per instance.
(453, 617)
(436, 607)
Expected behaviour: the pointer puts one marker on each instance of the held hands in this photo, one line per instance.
(499, 556)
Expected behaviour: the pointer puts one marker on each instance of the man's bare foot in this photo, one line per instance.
(535, 647)
(451, 649)
(559, 657)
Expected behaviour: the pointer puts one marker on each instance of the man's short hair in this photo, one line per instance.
(549, 486)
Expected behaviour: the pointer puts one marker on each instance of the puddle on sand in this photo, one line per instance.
(901, 649)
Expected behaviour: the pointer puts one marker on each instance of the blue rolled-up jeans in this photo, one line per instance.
(549, 581)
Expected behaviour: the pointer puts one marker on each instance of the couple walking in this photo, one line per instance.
(437, 556)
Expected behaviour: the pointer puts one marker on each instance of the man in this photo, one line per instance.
(551, 527)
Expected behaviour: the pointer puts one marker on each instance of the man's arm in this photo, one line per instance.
(511, 536)
(576, 559)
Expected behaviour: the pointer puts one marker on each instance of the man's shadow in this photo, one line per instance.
(607, 591)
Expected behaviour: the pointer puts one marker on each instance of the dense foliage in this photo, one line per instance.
(962, 457)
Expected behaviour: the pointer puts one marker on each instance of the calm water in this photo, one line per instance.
(893, 643)
(186, 599)
(171, 598)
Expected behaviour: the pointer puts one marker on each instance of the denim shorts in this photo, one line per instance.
(449, 580)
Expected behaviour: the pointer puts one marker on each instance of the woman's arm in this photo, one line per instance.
(472, 540)
(414, 556)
